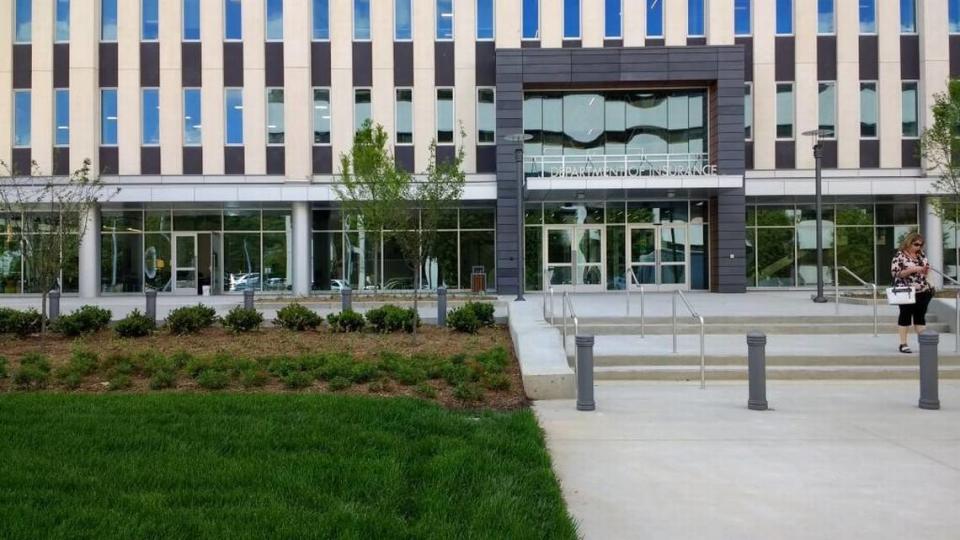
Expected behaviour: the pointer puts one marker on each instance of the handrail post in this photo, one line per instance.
(564, 310)
(876, 319)
(836, 290)
(626, 278)
(956, 329)
(703, 360)
(674, 322)
(643, 331)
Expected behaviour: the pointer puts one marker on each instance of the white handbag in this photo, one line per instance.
(897, 296)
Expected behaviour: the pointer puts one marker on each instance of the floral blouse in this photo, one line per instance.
(901, 262)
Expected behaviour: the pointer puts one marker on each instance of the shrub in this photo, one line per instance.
(380, 386)
(22, 323)
(213, 379)
(3, 367)
(346, 321)
(463, 319)
(496, 381)
(34, 371)
(180, 359)
(85, 320)
(134, 325)
(191, 319)
(117, 361)
(336, 365)
(120, 381)
(493, 361)
(390, 318)
(6, 316)
(81, 364)
(240, 319)
(456, 373)
(297, 317)
(251, 378)
(483, 311)
(468, 392)
(409, 375)
(339, 383)
(296, 380)
(163, 378)
(426, 390)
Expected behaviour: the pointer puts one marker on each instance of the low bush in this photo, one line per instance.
(3, 367)
(180, 359)
(191, 319)
(81, 364)
(483, 311)
(22, 323)
(468, 392)
(494, 360)
(297, 317)
(410, 375)
(339, 383)
(380, 386)
(426, 390)
(34, 372)
(85, 320)
(241, 319)
(390, 318)
(120, 381)
(346, 321)
(213, 379)
(463, 319)
(496, 381)
(6, 316)
(163, 378)
(134, 325)
(253, 378)
(296, 380)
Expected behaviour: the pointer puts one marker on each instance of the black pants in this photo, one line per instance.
(915, 312)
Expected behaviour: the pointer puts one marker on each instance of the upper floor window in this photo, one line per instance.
(402, 20)
(654, 18)
(191, 20)
(274, 20)
(108, 20)
(908, 16)
(953, 15)
(868, 16)
(150, 127)
(911, 110)
(108, 117)
(444, 19)
(741, 17)
(404, 116)
(571, 19)
(24, 18)
(233, 20)
(61, 117)
(485, 21)
(321, 20)
(361, 108)
(21, 118)
(445, 115)
(361, 20)
(695, 18)
(321, 116)
(748, 111)
(825, 17)
(192, 117)
(276, 130)
(612, 18)
(531, 19)
(150, 20)
(233, 104)
(486, 116)
(827, 108)
(63, 21)
(784, 110)
(868, 110)
(784, 17)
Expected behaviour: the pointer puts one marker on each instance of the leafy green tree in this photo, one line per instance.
(940, 147)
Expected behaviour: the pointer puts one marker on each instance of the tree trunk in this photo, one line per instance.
(43, 313)
(416, 297)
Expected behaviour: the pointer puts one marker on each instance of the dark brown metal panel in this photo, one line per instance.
(826, 58)
(108, 66)
(61, 161)
(748, 155)
(747, 43)
(444, 72)
(21, 162)
(276, 160)
(406, 158)
(696, 41)
(786, 58)
(530, 44)
(149, 64)
(403, 63)
(572, 44)
(322, 160)
(232, 64)
(22, 66)
(613, 43)
(954, 56)
(869, 153)
(150, 160)
(109, 160)
(61, 65)
(869, 59)
(273, 53)
(320, 63)
(910, 153)
(191, 61)
(233, 160)
(910, 57)
(446, 153)
(192, 160)
(362, 63)
(657, 42)
(486, 158)
(829, 160)
(486, 63)
(786, 155)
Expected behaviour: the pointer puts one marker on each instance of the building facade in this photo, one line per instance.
(630, 141)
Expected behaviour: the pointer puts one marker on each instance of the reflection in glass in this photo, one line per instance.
(616, 258)
(441, 268)
(234, 115)
(477, 249)
(321, 116)
(868, 109)
(241, 261)
(276, 262)
(404, 111)
(192, 120)
(361, 108)
(533, 258)
(807, 253)
(327, 261)
(157, 262)
(775, 257)
(275, 121)
(444, 115)
(121, 263)
(403, 21)
(855, 251)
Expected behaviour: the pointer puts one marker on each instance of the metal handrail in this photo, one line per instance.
(550, 292)
(873, 286)
(696, 316)
(567, 303)
(956, 329)
(631, 279)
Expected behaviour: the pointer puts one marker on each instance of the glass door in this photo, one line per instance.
(658, 256)
(185, 263)
(575, 258)
(558, 244)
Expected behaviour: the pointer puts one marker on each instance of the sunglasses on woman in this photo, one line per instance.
(918, 244)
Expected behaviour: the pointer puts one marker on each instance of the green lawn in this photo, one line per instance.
(270, 466)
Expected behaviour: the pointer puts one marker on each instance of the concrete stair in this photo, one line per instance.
(830, 325)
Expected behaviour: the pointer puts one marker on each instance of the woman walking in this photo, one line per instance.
(910, 268)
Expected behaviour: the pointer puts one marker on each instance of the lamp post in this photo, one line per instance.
(519, 139)
(817, 158)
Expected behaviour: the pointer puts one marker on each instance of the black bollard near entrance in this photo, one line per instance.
(53, 305)
(150, 309)
(248, 299)
(929, 376)
(441, 306)
(757, 370)
(346, 299)
(585, 400)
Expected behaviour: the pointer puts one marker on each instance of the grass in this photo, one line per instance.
(264, 465)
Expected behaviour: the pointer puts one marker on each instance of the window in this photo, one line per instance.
(868, 110)
(444, 115)
(868, 16)
(63, 21)
(612, 18)
(403, 20)
(485, 20)
(953, 15)
(192, 117)
(108, 117)
(404, 116)
(654, 18)
(21, 118)
(748, 111)
(321, 20)
(486, 116)
(571, 19)
(827, 108)
(361, 20)
(108, 20)
(695, 18)
(908, 16)
(275, 126)
(825, 17)
(191, 20)
(531, 19)
(232, 20)
(61, 134)
(741, 17)
(24, 16)
(233, 104)
(444, 19)
(274, 20)
(150, 128)
(911, 107)
(361, 107)
(321, 116)
(784, 110)
(150, 20)
(784, 17)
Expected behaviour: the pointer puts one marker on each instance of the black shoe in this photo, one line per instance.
(905, 349)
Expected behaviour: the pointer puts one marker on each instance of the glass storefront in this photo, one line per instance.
(16, 276)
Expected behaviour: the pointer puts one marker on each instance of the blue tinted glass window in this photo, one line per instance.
(150, 15)
(361, 19)
(484, 19)
(234, 115)
(612, 17)
(908, 16)
(444, 19)
(275, 20)
(321, 19)
(63, 20)
(151, 116)
(655, 18)
(191, 20)
(232, 19)
(21, 118)
(695, 18)
(868, 17)
(108, 20)
(784, 16)
(825, 17)
(402, 20)
(61, 136)
(108, 117)
(531, 19)
(24, 17)
(741, 17)
(953, 9)
(571, 19)
(192, 136)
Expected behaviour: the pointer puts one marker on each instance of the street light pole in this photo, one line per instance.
(817, 157)
(521, 270)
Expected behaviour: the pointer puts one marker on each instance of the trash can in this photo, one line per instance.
(478, 279)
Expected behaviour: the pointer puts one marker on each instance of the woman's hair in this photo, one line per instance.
(909, 239)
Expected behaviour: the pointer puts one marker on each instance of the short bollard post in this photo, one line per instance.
(929, 377)
(346, 299)
(585, 400)
(53, 305)
(441, 306)
(757, 370)
(248, 299)
(150, 310)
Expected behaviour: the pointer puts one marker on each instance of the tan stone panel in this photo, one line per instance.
(171, 93)
(805, 35)
(211, 95)
(720, 22)
(764, 118)
(6, 111)
(424, 114)
(341, 113)
(551, 23)
(84, 118)
(298, 95)
(128, 87)
(806, 97)
(675, 22)
(297, 34)
(764, 23)
(41, 43)
(465, 99)
(592, 27)
(848, 34)
(171, 26)
(6, 50)
(41, 120)
(934, 55)
(848, 85)
(508, 17)
(634, 23)
(254, 93)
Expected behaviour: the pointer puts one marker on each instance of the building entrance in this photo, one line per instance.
(196, 263)
(575, 257)
(658, 256)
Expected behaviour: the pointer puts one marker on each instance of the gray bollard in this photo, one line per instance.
(248, 298)
(346, 299)
(151, 308)
(757, 370)
(929, 383)
(441, 306)
(53, 305)
(585, 400)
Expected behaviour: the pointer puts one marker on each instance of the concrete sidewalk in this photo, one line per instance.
(832, 460)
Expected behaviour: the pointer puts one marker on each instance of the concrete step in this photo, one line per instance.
(902, 360)
(739, 372)
(889, 318)
(769, 328)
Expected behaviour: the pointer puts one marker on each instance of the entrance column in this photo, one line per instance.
(89, 267)
(300, 244)
(932, 227)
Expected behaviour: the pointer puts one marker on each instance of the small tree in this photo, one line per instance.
(52, 228)
(940, 148)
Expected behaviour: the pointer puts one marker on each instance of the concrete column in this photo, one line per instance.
(90, 254)
(932, 227)
(300, 244)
